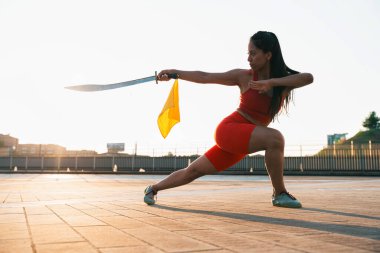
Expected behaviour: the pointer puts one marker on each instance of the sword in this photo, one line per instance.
(100, 87)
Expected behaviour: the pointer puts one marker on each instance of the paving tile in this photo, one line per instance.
(228, 241)
(82, 206)
(54, 233)
(14, 210)
(104, 205)
(13, 198)
(228, 227)
(122, 222)
(28, 197)
(82, 220)
(98, 212)
(37, 210)
(107, 236)
(6, 218)
(13, 231)
(72, 247)
(3, 197)
(40, 219)
(16, 246)
(65, 210)
(133, 213)
(132, 249)
(169, 241)
(169, 224)
(42, 196)
(352, 241)
(299, 242)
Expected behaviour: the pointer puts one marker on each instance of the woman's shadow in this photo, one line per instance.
(352, 230)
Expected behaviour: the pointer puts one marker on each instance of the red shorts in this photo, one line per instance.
(232, 141)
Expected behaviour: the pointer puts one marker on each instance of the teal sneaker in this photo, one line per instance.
(149, 195)
(285, 199)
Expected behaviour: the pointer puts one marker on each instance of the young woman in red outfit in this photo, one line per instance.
(265, 89)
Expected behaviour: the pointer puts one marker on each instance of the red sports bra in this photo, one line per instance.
(256, 105)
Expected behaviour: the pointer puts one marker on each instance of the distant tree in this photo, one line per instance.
(372, 121)
(170, 154)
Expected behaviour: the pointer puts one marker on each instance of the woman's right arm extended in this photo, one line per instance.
(226, 78)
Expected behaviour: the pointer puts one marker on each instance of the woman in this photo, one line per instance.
(265, 88)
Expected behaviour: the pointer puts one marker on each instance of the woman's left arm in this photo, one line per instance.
(290, 82)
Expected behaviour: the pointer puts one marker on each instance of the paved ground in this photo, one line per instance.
(105, 213)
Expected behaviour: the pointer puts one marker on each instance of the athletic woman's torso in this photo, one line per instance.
(253, 106)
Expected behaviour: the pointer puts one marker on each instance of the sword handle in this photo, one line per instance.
(171, 76)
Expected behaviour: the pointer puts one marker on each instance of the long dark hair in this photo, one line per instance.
(268, 42)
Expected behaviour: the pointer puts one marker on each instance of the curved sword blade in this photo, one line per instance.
(100, 87)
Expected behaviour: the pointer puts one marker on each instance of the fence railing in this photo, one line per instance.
(329, 162)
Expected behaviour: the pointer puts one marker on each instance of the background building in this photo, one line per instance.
(39, 150)
(336, 138)
(7, 144)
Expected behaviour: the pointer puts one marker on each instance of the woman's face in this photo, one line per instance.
(257, 58)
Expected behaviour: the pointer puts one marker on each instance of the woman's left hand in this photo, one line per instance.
(262, 86)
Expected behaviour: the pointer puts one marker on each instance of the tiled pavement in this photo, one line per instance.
(215, 214)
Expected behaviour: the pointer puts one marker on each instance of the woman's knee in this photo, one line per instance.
(277, 140)
(263, 138)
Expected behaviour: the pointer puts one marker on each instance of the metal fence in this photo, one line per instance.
(350, 161)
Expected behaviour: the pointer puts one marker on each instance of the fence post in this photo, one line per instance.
(301, 165)
(153, 161)
(133, 162)
(329, 158)
(59, 163)
(370, 154)
(363, 158)
(334, 149)
(175, 159)
(134, 157)
(42, 163)
(10, 158)
(76, 162)
(246, 162)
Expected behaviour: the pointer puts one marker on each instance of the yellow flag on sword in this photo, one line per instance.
(169, 115)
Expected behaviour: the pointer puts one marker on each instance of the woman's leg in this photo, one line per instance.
(200, 167)
(272, 141)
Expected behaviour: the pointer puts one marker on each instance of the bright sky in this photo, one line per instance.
(46, 45)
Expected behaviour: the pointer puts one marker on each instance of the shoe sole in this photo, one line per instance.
(288, 206)
(149, 201)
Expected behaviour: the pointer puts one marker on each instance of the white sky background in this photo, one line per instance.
(46, 45)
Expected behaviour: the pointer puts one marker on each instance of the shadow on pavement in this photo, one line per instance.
(352, 230)
(342, 213)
